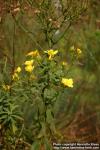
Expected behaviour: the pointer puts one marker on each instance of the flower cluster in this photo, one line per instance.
(6, 87)
(51, 53)
(67, 82)
(29, 63)
(29, 66)
(77, 50)
(33, 53)
(15, 76)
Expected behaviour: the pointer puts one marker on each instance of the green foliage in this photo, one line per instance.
(36, 83)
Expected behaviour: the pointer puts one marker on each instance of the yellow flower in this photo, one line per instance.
(33, 53)
(29, 68)
(78, 50)
(15, 76)
(64, 63)
(51, 53)
(6, 87)
(67, 82)
(29, 62)
(18, 69)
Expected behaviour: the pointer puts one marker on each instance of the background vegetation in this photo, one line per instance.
(27, 25)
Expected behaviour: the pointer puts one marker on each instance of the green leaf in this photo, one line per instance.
(49, 116)
(47, 144)
(36, 145)
(14, 128)
(50, 93)
(42, 131)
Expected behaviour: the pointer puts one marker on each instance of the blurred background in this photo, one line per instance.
(77, 115)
